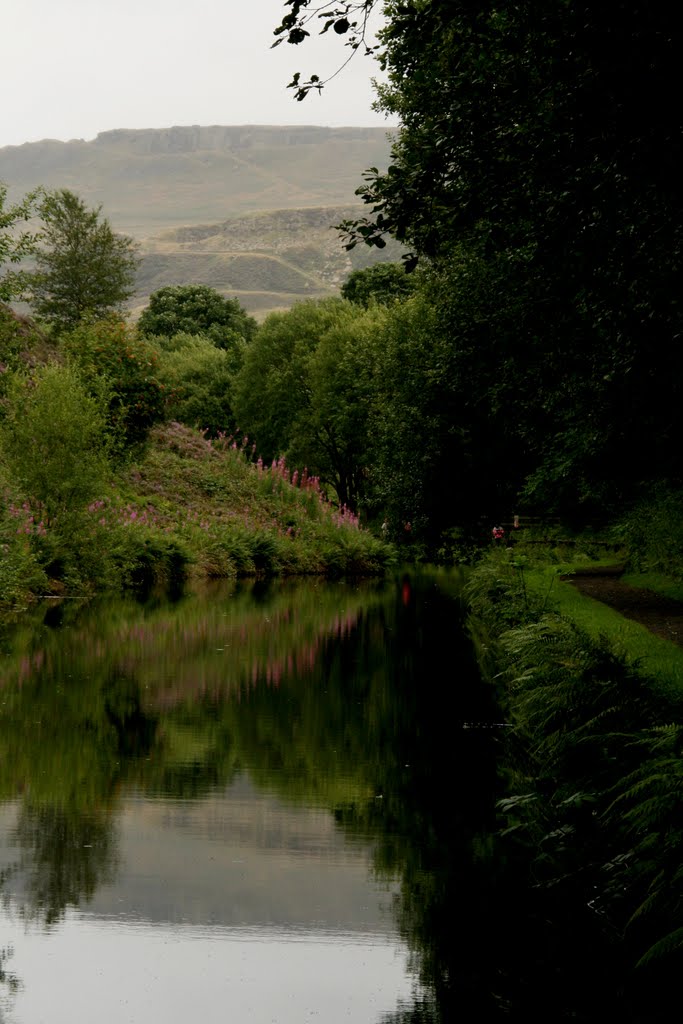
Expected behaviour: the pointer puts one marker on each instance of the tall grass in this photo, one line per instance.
(593, 758)
(659, 660)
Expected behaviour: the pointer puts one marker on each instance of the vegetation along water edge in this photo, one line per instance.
(593, 770)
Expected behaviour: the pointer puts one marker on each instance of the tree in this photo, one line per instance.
(347, 18)
(332, 434)
(306, 391)
(538, 162)
(198, 379)
(272, 389)
(383, 283)
(15, 244)
(197, 309)
(54, 441)
(85, 271)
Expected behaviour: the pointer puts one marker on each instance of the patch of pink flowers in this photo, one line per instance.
(29, 522)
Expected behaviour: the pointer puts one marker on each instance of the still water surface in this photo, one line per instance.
(242, 805)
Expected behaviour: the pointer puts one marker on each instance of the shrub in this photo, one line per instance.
(653, 533)
(237, 551)
(111, 353)
(348, 552)
(20, 573)
(147, 558)
(197, 378)
(21, 344)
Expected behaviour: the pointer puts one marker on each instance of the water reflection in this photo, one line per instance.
(260, 802)
(125, 972)
(280, 800)
(242, 759)
(66, 855)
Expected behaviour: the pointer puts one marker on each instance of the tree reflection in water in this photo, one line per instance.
(363, 701)
(67, 854)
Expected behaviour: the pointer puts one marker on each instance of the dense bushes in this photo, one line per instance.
(652, 533)
(114, 360)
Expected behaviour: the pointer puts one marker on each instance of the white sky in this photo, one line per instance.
(73, 68)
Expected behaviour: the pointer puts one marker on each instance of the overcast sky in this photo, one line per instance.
(72, 68)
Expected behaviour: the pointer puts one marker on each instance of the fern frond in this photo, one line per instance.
(669, 944)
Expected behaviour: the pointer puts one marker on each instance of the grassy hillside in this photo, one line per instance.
(147, 180)
(186, 506)
(244, 209)
(267, 260)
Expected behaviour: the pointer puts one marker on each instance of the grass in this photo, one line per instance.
(593, 755)
(651, 656)
(514, 586)
(233, 517)
(659, 584)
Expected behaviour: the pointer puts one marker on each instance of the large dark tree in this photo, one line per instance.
(539, 147)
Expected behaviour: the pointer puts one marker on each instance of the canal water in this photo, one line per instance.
(239, 805)
(273, 803)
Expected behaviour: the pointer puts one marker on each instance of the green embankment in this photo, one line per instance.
(591, 757)
(186, 506)
(650, 655)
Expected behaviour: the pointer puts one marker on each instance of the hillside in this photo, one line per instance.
(245, 209)
(267, 260)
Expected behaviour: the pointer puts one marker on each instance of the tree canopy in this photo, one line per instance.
(536, 173)
(271, 390)
(198, 379)
(382, 283)
(197, 309)
(306, 389)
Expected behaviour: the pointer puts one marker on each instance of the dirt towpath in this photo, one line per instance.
(661, 615)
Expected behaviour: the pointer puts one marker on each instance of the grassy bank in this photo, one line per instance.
(659, 660)
(593, 763)
(186, 505)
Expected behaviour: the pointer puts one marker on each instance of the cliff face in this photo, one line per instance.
(194, 138)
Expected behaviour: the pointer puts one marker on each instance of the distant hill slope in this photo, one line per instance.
(245, 209)
(149, 179)
(267, 260)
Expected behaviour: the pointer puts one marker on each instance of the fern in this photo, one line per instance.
(663, 947)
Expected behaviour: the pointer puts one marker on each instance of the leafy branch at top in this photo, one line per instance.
(349, 18)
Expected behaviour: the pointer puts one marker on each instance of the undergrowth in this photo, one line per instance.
(185, 505)
(652, 532)
(594, 765)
